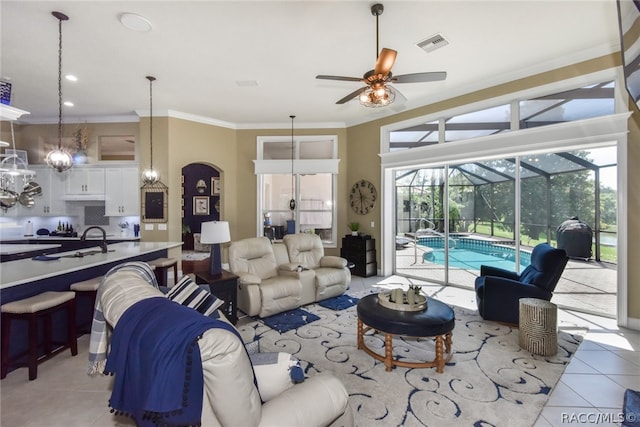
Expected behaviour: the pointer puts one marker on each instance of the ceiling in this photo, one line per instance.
(203, 54)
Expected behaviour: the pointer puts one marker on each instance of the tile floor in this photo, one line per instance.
(589, 392)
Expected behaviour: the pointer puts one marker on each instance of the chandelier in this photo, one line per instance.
(59, 159)
(150, 176)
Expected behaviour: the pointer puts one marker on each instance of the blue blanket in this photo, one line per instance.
(156, 361)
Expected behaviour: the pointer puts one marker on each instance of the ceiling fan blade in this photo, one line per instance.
(351, 95)
(420, 77)
(385, 61)
(340, 78)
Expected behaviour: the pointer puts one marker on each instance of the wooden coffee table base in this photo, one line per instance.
(443, 350)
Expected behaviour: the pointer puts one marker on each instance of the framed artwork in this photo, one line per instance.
(201, 205)
(215, 186)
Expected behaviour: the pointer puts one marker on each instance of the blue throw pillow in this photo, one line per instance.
(189, 294)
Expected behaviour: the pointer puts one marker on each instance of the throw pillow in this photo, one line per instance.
(187, 293)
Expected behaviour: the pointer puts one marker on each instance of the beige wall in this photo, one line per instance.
(179, 142)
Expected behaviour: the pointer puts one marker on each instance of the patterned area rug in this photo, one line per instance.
(292, 319)
(488, 376)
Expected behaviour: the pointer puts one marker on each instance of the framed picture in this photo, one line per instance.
(201, 205)
(215, 186)
(20, 154)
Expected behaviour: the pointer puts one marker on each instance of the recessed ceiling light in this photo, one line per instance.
(68, 103)
(135, 22)
(246, 83)
(71, 78)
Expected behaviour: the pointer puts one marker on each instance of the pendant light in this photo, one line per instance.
(59, 159)
(292, 202)
(150, 176)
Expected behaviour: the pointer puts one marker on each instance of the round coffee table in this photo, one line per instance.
(437, 321)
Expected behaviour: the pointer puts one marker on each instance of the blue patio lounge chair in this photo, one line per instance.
(498, 291)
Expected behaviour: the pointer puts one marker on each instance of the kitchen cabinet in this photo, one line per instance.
(122, 192)
(85, 183)
(54, 185)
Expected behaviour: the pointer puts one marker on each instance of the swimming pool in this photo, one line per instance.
(469, 253)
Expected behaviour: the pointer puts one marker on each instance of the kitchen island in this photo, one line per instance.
(28, 277)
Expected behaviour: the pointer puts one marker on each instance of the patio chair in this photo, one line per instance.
(498, 291)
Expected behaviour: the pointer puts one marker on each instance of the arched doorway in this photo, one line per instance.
(201, 196)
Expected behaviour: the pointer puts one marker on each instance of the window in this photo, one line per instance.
(305, 171)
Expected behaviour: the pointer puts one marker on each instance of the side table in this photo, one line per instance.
(225, 287)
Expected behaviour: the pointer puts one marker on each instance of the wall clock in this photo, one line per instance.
(363, 197)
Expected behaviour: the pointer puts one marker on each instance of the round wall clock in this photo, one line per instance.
(363, 197)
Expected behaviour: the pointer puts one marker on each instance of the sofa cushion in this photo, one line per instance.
(275, 372)
(187, 293)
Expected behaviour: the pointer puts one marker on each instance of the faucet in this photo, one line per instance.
(103, 244)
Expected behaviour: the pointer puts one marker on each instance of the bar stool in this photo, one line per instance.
(161, 266)
(32, 309)
(87, 289)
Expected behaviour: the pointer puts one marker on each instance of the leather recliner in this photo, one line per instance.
(263, 289)
(322, 276)
(498, 291)
(321, 400)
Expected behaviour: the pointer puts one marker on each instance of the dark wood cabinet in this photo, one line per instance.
(225, 287)
(360, 250)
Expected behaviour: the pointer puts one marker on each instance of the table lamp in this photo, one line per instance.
(214, 233)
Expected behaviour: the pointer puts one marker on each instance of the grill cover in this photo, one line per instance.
(575, 237)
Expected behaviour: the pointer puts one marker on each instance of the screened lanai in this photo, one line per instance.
(454, 217)
(496, 211)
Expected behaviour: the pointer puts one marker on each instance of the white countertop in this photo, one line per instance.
(14, 273)
(9, 249)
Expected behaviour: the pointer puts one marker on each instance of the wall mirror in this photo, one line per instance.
(116, 147)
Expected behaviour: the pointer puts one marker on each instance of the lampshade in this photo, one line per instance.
(375, 97)
(213, 232)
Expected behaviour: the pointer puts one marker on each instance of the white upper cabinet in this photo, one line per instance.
(122, 195)
(85, 183)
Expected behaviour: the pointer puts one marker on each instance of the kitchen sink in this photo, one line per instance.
(82, 254)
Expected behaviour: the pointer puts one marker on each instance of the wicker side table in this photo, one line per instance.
(538, 326)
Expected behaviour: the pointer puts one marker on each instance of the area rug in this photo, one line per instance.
(289, 320)
(488, 377)
(340, 302)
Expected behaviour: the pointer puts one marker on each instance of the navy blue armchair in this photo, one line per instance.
(498, 290)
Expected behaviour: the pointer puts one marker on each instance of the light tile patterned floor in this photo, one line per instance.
(590, 390)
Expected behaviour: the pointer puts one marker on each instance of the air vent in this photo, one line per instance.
(432, 43)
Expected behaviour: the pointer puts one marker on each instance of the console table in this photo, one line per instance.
(225, 287)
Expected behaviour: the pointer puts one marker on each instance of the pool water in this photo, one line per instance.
(470, 254)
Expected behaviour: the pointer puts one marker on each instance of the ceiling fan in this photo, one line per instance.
(377, 92)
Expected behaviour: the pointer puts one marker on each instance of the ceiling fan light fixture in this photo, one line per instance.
(377, 97)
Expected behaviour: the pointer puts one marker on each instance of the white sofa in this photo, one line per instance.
(282, 276)
(230, 397)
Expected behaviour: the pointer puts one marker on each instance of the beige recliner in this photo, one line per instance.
(324, 276)
(230, 396)
(262, 289)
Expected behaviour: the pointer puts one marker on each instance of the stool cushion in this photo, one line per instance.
(163, 262)
(90, 285)
(38, 302)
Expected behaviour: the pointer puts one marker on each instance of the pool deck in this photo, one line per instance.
(587, 286)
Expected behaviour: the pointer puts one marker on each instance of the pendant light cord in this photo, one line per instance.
(59, 83)
(151, 79)
(292, 155)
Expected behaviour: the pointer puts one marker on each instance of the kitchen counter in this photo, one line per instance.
(24, 271)
(10, 249)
